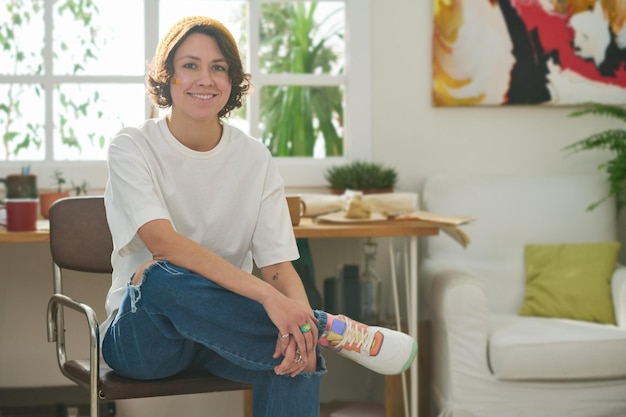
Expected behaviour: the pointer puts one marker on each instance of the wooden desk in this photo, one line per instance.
(40, 236)
(307, 229)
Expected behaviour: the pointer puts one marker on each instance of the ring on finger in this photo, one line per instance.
(298, 357)
(284, 336)
(306, 327)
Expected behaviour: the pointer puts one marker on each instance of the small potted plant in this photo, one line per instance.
(80, 189)
(613, 140)
(368, 177)
(46, 199)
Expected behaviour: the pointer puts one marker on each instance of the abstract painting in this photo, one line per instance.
(548, 52)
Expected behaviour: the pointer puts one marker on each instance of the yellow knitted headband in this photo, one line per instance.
(183, 26)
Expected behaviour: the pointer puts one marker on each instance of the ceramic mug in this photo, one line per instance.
(297, 208)
(21, 214)
(20, 186)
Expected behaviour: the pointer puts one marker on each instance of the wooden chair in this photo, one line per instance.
(80, 240)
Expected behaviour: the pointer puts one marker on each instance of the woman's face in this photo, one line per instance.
(200, 86)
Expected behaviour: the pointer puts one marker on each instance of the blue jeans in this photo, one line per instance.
(176, 319)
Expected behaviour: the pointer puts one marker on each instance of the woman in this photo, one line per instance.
(191, 201)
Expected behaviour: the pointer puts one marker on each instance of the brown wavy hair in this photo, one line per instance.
(162, 67)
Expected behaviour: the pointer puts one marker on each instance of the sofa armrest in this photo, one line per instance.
(618, 290)
(459, 301)
(460, 328)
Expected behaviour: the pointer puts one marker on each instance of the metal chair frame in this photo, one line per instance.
(80, 240)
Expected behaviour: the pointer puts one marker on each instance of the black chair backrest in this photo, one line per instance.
(80, 238)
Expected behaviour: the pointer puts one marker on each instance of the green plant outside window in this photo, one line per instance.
(296, 39)
(21, 104)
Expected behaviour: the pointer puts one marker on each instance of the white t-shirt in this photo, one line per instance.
(230, 200)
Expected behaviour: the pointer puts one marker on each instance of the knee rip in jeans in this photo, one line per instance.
(134, 287)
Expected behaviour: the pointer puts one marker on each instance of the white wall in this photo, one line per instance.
(408, 133)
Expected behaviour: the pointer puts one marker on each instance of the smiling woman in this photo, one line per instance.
(172, 209)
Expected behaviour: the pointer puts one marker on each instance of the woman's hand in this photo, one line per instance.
(289, 310)
(293, 362)
(297, 348)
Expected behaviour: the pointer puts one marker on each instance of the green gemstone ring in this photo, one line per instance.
(306, 327)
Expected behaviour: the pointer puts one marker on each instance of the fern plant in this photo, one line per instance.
(613, 140)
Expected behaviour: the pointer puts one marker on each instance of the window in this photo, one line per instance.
(59, 108)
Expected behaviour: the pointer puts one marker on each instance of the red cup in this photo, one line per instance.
(21, 214)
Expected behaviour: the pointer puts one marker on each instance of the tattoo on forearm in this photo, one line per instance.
(275, 277)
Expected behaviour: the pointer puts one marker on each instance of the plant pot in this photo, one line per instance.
(47, 199)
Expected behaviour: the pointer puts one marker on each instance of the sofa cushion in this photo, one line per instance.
(570, 281)
(538, 348)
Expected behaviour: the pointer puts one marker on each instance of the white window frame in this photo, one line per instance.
(297, 171)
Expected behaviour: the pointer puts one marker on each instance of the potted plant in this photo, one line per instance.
(46, 199)
(613, 140)
(80, 189)
(368, 177)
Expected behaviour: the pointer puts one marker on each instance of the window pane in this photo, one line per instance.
(23, 21)
(302, 121)
(302, 37)
(88, 115)
(99, 40)
(21, 122)
(121, 36)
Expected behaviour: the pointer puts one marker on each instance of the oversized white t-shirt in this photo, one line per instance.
(230, 200)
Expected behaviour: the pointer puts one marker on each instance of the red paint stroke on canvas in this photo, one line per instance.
(555, 34)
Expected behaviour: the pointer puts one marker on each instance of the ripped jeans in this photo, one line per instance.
(176, 319)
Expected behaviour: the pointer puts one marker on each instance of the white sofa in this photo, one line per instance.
(487, 360)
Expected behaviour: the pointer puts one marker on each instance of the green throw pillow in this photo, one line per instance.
(570, 281)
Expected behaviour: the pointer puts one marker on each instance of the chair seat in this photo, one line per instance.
(115, 387)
